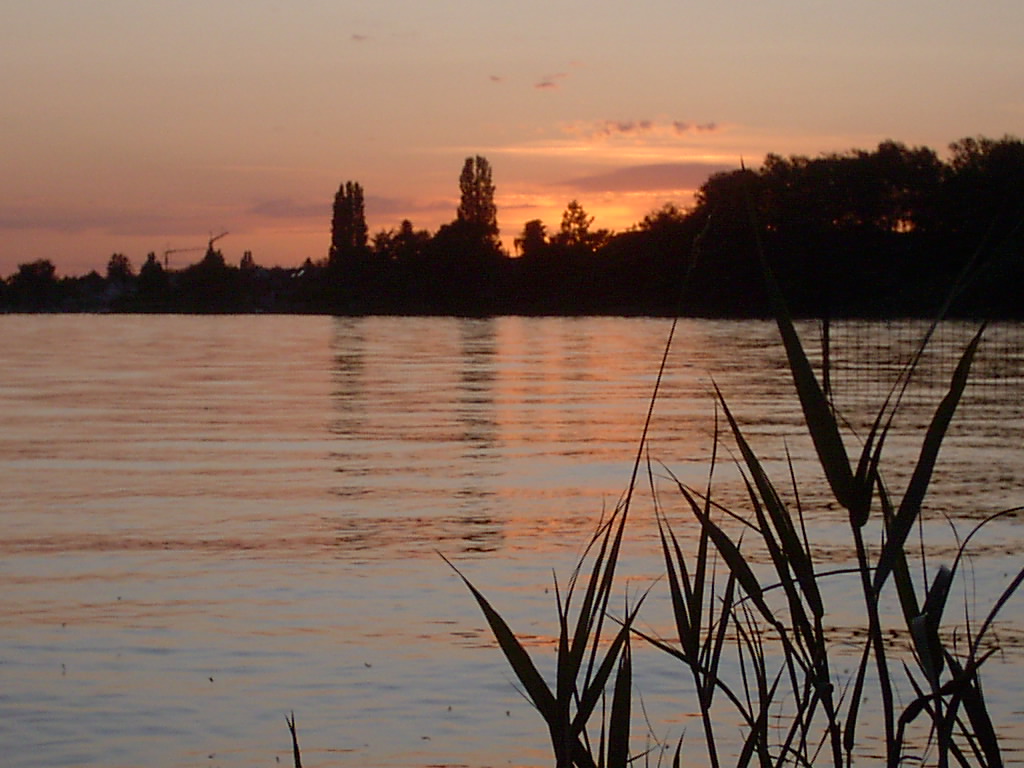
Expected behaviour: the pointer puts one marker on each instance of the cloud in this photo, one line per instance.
(684, 127)
(128, 220)
(75, 220)
(285, 208)
(648, 178)
(380, 205)
(378, 208)
(67, 222)
(607, 129)
(497, 79)
(550, 82)
(359, 38)
(620, 127)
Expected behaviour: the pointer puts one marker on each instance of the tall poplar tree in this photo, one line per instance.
(476, 206)
(348, 224)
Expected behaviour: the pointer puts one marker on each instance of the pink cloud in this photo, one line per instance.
(648, 178)
(603, 129)
(612, 127)
(285, 208)
(685, 127)
(549, 82)
(112, 220)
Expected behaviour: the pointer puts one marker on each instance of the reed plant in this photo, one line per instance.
(752, 638)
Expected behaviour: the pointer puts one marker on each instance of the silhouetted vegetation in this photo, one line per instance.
(348, 223)
(861, 233)
(752, 598)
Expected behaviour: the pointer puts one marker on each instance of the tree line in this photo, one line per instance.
(872, 233)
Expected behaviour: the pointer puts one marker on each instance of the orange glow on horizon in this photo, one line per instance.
(151, 132)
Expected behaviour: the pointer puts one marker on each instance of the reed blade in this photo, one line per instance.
(984, 731)
(296, 753)
(925, 627)
(618, 724)
(755, 742)
(515, 654)
(592, 596)
(716, 644)
(594, 689)
(866, 476)
(997, 607)
(677, 755)
(792, 554)
(818, 413)
(850, 727)
(910, 506)
(737, 563)
(685, 628)
(565, 677)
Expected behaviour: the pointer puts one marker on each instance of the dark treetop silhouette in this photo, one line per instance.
(862, 233)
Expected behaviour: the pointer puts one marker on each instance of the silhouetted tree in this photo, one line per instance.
(382, 243)
(404, 244)
(410, 243)
(465, 272)
(34, 286)
(119, 269)
(725, 195)
(575, 232)
(858, 233)
(210, 286)
(909, 181)
(212, 261)
(152, 276)
(534, 239)
(476, 205)
(892, 189)
(86, 294)
(666, 218)
(575, 228)
(661, 253)
(39, 272)
(348, 223)
(726, 278)
(984, 205)
(985, 187)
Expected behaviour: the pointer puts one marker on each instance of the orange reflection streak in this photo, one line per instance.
(250, 508)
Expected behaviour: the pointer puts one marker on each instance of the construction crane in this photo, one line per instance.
(169, 251)
(209, 247)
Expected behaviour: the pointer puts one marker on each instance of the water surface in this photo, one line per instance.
(209, 522)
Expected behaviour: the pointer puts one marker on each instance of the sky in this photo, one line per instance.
(132, 126)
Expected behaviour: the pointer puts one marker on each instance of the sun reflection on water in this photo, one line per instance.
(210, 522)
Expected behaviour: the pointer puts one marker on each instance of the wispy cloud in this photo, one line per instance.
(685, 127)
(622, 143)
(613, 128)
(655, 177)
(608, 129)
(377, 207)
(286, 208)
(381, 205)
(550, 82)
(108, 221)
(359, 37)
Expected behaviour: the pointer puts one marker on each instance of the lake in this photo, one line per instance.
(207, 523)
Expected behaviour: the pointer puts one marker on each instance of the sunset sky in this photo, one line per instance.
(134, 126)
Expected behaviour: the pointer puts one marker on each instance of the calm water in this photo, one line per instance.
(209, 522)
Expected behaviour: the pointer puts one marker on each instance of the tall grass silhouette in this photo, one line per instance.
(754, 639)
